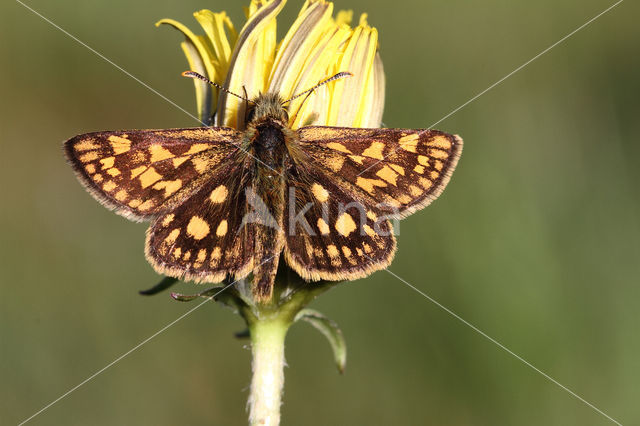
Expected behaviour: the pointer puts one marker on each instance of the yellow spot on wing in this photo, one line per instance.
(198, 228)
(332, 251)
(169, 186)
(424, 160)
(135, 172)
(135, 203)
(149, 204)
(347, 253)
(107, 162)
(323, 227)
(216, 253)
(371, 215)
(97, 177)
(338, 147)
(437, 153)
(440, 142)
(86, 145)
(121, 195)
(219, 194)
(90, 168)
(415, 190)
(222, 228)
(345, 224)
(138, 157)
(333, 163)
(357, 158)
(149, 177)
(409, 142)
(158, 153)
(113, 172)
(177, 252)
(419, 169)
(200, 164)
(370, 232)
(197, 147)
(369, 184)
(434, 175)
(387, 174)
(120, 144)
(319, 192)
(202, 255)
(397, 168)
(89, 156)
(403, 198)
(374, 151)
(425, 183)
(109, 186)
(178, 161)
(168, 219)
(367, 248)
(172, 237)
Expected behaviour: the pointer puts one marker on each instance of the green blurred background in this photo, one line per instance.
(535, 241)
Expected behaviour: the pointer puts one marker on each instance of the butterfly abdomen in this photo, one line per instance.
(269, 184)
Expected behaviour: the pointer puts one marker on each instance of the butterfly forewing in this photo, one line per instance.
(399, 170)
(141, 173)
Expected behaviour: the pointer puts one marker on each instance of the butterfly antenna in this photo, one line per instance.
(193, 74)
(342, 74)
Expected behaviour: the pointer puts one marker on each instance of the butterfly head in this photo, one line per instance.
(267, 107)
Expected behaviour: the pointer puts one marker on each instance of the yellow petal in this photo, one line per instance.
(320, 64)
(250, 62)
(374, 101)
(197, 42)
(306, 31)
(204, 91)
(348, 100)
(344, 17)
(216, 25)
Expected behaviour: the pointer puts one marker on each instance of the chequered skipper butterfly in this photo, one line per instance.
(225, 202)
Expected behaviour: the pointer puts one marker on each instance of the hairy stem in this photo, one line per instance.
(267, 347)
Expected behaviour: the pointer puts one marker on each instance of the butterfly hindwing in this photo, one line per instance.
(330, 236)
(141, 173)
(205, 238)
(401, 170)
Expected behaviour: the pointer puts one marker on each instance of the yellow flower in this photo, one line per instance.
(316, 46)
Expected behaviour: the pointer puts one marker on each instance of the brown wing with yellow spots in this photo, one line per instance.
(208, 237)
(329, 235)
(142, 173)
(397, 170)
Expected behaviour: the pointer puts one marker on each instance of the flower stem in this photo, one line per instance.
(267, 347)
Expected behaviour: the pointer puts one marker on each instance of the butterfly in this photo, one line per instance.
(225, 202)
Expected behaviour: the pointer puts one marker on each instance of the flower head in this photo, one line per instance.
(317, 45)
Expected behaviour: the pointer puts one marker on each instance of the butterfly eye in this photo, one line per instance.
(251, 113)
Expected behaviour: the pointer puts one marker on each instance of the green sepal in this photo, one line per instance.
(210, 292)
(331, 331)
(161, 286)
